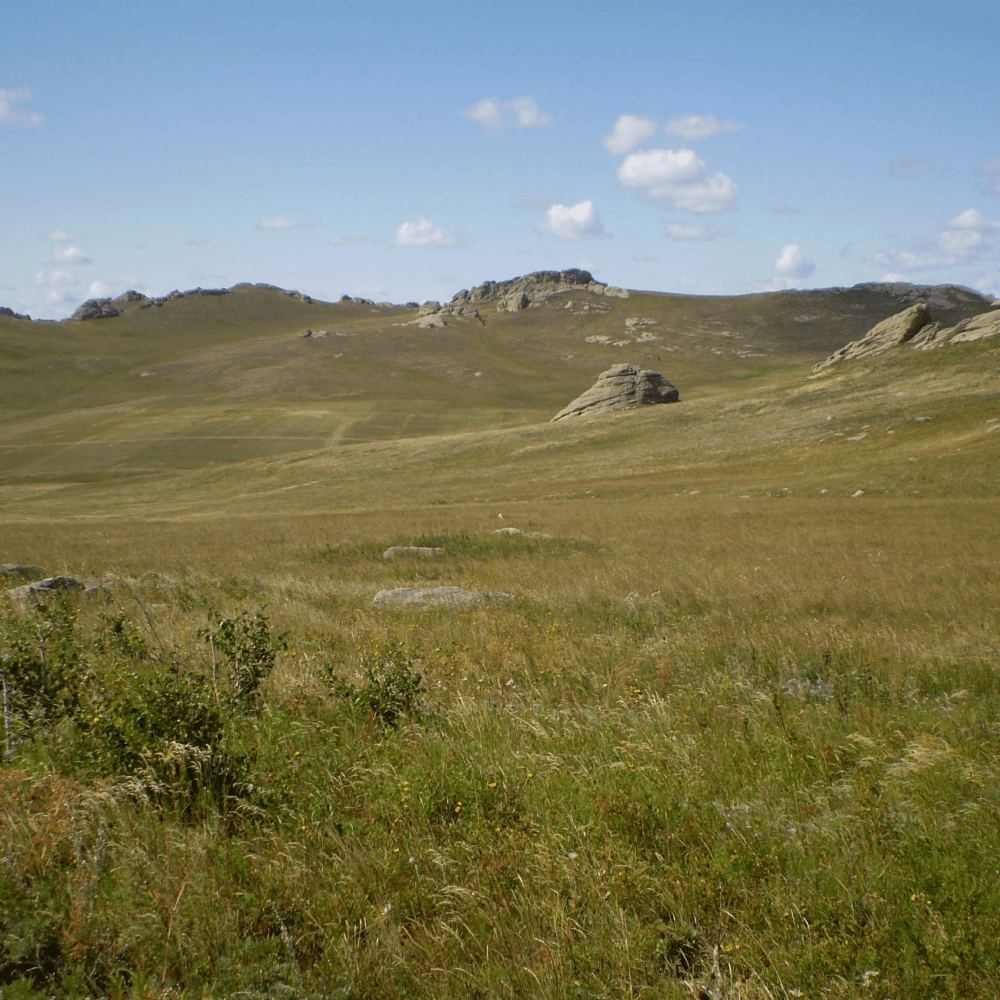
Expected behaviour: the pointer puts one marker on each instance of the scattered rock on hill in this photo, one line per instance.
(420, 551)
(620, 388)
(56, 585)
(915, 327)
(421, 599)
(523, 534)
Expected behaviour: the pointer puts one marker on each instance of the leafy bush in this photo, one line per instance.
(392, 687)
(44, 673)
(249, 650)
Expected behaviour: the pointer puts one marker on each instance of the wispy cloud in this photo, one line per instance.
(907, 166)
(679, 178)
(693, 127)
(348, 241)
(423, 233)
(60, 236)
(628, 132)
(963, 242)
(70, 255)
(991, 168)
(643, 258)
(9, 113)
(697, 234)
(57, 286)
(283, 222)
(575, 222)
(495, 116)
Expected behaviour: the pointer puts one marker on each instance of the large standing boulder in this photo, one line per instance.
(898, 329)
(620, 388)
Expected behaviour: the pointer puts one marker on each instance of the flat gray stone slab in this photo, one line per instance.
(418, 551)
(422, 598)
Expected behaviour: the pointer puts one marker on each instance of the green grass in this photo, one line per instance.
(736, 735)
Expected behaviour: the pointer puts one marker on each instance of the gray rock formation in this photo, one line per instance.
(56, 585)
(6, 311)
(416, 551)
(530, 290)
(914, 327)
(422, 599)
(306, 333)
(620, 388)
(95, 309)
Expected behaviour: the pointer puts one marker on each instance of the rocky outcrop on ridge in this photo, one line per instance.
(108, 308)
(915, 327)
(620, 388)
(7, 311)
(938, 296)
(514, 295)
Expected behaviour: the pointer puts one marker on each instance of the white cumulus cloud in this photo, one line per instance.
(423, 233)
(100, 290)
(678, 178)
(792, 262)
(575, 222)
(628, 132)
(963, 241)
(70, 255)
(697, 234)
(494, 116)
(10, 115)
(692, 127)
(60, 236)
(791, 265)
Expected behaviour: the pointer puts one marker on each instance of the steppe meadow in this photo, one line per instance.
(333, 667)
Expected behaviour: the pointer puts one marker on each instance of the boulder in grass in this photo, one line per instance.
(427, 598)
(54, 585)
(620, 388)
(416, 551)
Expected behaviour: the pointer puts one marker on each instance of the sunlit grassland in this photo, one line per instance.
(735, 734)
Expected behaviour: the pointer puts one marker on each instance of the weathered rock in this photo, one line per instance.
(56, 585)
(914, 327)
(306, 333)
(514, 302)
(977, 328)
(95, 309)
(898, 329)
(428, 309)
(536, 287)
(620, 388)
(517, 532)
(7, 311)
(432, 322)
(418, 551)
(421, 599)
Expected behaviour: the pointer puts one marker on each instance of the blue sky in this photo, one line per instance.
(406, 150)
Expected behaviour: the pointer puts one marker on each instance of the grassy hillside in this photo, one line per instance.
(736, 734)
(215, 379)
